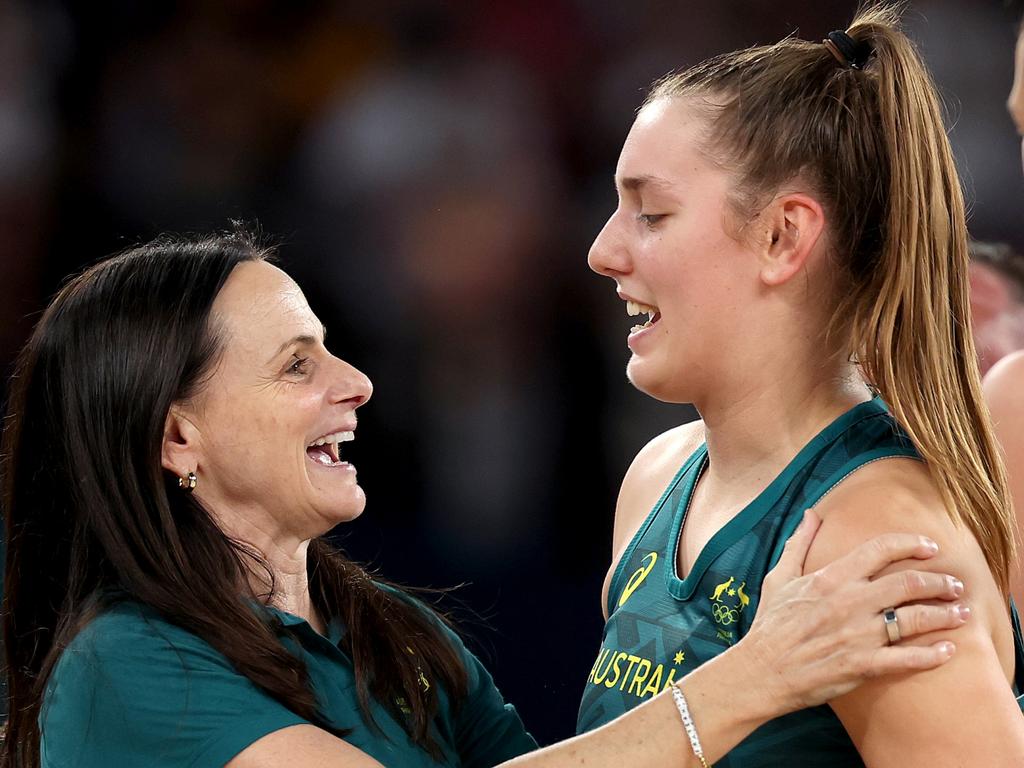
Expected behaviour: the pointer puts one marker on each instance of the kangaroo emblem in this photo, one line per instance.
(744, 600)
(721, 588)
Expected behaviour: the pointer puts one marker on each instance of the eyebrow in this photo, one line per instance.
(303, 339)
(637, 183)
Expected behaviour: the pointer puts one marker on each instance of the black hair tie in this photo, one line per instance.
(846, 50)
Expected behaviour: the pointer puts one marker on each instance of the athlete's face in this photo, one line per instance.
(666, 247)
(1015, 101)
(275, 392)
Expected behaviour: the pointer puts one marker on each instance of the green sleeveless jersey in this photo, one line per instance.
(661, 627)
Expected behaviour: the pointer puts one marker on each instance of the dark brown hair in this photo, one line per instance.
(93, 518)
(869, 141)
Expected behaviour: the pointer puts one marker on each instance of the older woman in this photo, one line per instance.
(175, 452)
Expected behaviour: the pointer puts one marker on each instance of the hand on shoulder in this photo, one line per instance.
(911, 715)
(898, 495)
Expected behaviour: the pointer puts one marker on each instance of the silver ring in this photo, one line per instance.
(892, 625)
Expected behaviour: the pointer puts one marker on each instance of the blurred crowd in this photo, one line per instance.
(434, 173)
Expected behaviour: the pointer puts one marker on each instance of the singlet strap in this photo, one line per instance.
(615, 586)
(790, 525)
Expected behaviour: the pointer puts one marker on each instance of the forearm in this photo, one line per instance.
(725, 707)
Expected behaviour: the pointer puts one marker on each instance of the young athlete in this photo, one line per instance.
(997, 302)
(790, 220)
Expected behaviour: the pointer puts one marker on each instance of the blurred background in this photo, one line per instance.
(434, 173)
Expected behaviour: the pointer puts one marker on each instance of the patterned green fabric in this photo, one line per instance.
(661, 627)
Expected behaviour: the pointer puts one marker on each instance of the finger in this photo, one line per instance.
(791, 564)
(895, 589)
(909, 658)
(916, 620)
(878, 553)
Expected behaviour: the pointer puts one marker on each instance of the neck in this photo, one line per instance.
(285, 557)
(752, 433)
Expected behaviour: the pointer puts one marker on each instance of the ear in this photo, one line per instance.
(794, 223)
(180, 449)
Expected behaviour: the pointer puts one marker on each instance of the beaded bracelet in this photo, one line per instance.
(691, 729)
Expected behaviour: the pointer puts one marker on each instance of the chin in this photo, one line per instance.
(352, 508)
(334, 511)
(656, 382)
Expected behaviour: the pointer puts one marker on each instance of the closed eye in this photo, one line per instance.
(650, 219)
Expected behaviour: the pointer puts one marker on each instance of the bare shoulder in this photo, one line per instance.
(649, 474)
(898, 495)
(1008, 373)
(646, 479)
(907, 720)
(1004, 392)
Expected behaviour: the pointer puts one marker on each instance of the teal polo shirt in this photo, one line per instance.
(132, 689)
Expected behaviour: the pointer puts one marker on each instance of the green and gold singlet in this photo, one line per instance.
(661, 627)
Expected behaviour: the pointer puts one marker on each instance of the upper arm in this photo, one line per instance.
(302, 746)
(645, 480)
(964, 712)
(129, 691)
(1004, 394)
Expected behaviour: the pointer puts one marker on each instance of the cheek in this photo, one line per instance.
(259, 442)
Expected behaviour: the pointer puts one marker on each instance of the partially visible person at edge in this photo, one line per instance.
(1004, 382)
(173, 457)
(997, 302)
(807, 290)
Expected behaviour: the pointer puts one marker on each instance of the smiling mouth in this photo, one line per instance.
(634, 308)
(326, 450)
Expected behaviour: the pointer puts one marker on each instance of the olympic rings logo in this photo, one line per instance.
(724, 615)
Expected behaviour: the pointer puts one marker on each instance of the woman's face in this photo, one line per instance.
(667, 248)
(275, 393)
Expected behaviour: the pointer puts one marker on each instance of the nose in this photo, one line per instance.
(350, 385)
(608, 255)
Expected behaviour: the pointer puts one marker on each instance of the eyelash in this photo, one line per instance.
(298, 368)
(650, 219)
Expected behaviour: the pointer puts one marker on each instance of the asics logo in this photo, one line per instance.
(638, 577)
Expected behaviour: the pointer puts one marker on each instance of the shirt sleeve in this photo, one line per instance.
(487, 730)
(133, 690)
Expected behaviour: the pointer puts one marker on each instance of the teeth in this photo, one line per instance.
(634, 308)
(337, 437)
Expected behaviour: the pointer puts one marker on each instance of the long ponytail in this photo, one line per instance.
(911, 323)
(869, 140)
